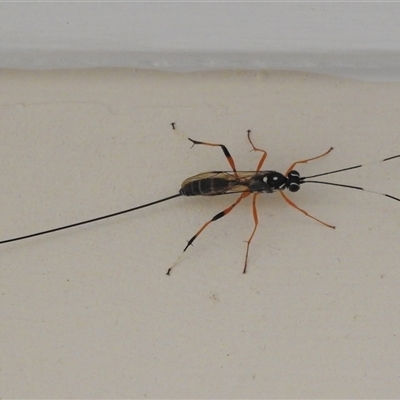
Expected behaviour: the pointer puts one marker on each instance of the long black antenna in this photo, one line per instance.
(352, 187)
(88, 221)
(349, 168)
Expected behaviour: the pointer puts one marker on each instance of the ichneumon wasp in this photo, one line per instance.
(244, 183)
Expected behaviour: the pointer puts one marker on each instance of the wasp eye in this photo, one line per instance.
(293, 181)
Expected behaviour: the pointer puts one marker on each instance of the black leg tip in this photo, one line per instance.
(189, 243)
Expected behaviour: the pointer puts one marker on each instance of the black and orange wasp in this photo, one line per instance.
(243, 183)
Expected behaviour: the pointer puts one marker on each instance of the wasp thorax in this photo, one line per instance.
(276, 180)
(293, 181)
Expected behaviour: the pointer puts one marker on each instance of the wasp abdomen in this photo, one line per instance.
(206, 187)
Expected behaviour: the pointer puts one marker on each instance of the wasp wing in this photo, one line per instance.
(219, 182)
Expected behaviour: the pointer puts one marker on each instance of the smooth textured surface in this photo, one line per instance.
(90, 313)
(353, 39)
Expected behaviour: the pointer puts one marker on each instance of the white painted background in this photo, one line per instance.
(89, 313)
(357, 39)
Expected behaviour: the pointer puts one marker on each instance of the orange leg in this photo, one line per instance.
(255, 217)
(290, 202)
(215, 218)
(306, 161)
(263, 157)
(224, 149)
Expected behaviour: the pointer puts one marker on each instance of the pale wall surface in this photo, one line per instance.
(352, 39)
(90, 313)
